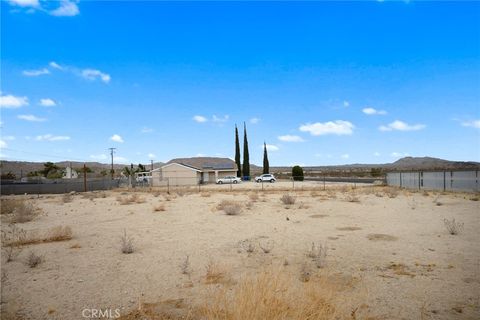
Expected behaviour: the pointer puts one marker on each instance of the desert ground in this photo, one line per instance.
(368, 252)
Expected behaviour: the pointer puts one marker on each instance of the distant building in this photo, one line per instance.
(70, 173)
(193, 171)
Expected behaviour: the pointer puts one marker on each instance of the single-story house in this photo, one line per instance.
(193, 171)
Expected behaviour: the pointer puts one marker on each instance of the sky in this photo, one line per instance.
(321, 83)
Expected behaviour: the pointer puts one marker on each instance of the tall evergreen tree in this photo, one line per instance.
(246, 156)
(237, 153)
(266, 165)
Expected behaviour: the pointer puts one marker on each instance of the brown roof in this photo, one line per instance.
(205, 163)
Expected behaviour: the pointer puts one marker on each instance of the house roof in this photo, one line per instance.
(178, 164)
(206, 163)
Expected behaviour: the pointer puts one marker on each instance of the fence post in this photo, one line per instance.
(168, 185)
(324, 188)
(262, 184)
(293, 183)
(84, 178)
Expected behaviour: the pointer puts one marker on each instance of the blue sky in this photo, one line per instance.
(320, 82)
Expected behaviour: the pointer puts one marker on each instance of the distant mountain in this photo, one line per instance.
(22, 168)
(408, 163)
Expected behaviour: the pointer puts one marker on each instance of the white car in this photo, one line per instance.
(265, 178)
(229, 179)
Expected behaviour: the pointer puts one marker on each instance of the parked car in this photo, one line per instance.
(229, 179)
(265, 178)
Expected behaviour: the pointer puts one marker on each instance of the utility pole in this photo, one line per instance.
(151, 161)
(112, 151)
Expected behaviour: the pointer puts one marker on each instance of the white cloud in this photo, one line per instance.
(93, 74)
(8, 138)
(345, 156)
(117, 138)
(399, 154)
(147, 130)
(346, 104)
(12, 102)
(35, 73)
(220, 119)
(31, 117)
(67, 8)
(290, 138)
(271, 147)
(24, 3)
(401, 126)
(120, 159)
(254, 120)
(473, 124)
(372, 111)
(376, 154)
(151, 156)
(98, 156)
(337, 127)
(200, 155)
(3, 144)
(50, 137)
(55, 65)
(199, 119)
(47, 102)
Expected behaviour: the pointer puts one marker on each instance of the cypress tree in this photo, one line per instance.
(266, 165)
(237, 153)
(246, 156)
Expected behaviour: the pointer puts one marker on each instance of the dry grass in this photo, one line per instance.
(288, 199)
(126, 243)
(215, 273)
(381, 237)
(452, 226)
(134, 198)
(205, 194)
(253, 197)
(319, 254)
(185, 266)
(159, 207)
(272, 295)
(15, 236)
(391, 192)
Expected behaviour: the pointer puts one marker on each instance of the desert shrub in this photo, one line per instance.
(8, 206)
(319, 254)
(391, 192)
(288, 199)
(437, 201)
(297, 173)
(33, 260)
(249, 205)
(126, 243)
(13, 235)
(12, 252)
(352, 198)
(66, 198)
(305, 272)
(452, 226)
(205, 194)
(185, 266)
(22, 212)
(134, 198)
(266, 246)
(159, 207)
(230, 207)
(248, 245)
(253, 197)
(233, 209)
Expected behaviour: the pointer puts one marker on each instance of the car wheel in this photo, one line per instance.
(219, 182)
(272, 180)
(235, 181)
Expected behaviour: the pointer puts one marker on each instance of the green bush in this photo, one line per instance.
(297, 173)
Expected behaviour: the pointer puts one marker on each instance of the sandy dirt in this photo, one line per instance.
(397, 249)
